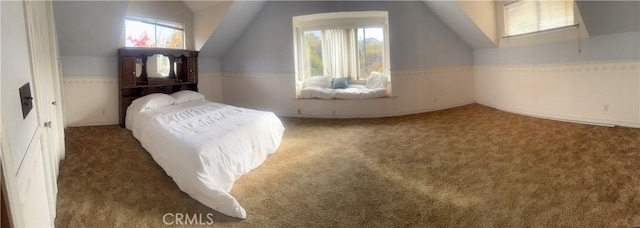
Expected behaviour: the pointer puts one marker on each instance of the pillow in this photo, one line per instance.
(376, 80)
(154, 100)
(186, 96)
(318, 82)
(340, 83)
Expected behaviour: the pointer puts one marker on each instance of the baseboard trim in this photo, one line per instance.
(569, 119)
(87, 124)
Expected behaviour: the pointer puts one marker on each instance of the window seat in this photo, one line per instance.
(356, 90)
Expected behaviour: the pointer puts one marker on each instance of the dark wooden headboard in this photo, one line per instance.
(183, 74)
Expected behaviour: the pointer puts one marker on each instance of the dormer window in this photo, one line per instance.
(341, 44)
(145, 32)
(531, 16)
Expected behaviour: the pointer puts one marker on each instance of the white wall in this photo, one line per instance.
(603, 92)
(210, 85)
(424, 78)
(414, 91)
(101, 107)
(16, 71)
(596, 48)
(430, 65)
(555, 80)
(90, 100)
(89, 65)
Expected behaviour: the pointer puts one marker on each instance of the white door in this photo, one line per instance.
(39, 18)
(31, 181)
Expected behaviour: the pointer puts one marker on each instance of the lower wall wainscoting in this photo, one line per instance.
(606, 93)
(413, 91)
(93, 100)
(90, 100)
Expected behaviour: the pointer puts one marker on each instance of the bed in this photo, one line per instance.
(205, 146)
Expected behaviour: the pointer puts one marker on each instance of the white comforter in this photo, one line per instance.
(206, 146)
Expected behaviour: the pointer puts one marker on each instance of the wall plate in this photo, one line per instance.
(26, 100)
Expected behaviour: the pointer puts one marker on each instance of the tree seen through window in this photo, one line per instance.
(140, 33)
(367, 44)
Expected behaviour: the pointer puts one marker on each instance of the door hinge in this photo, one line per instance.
(54, 103)
(47, 124)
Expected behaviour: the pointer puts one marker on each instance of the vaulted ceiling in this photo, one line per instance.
(93, 28)
(609, 17)
(236, 19)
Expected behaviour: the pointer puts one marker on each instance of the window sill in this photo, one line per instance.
(571, 32)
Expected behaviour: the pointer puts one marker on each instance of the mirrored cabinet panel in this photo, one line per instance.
(147, 70)
(151, 66)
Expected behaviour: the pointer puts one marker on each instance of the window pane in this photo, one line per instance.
(555, 14)
(371, 46)
(139, 34)
(312, 53)
(521, 17)
(169, 38)
(534, 15)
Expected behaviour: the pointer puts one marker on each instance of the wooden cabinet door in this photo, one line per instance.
(193, 70)
(128, 71)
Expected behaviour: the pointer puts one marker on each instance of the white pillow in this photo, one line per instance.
(186, 96)
(376, 80)
(154, 100)
(317, 82)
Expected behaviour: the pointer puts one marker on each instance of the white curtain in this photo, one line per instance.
(339, 58)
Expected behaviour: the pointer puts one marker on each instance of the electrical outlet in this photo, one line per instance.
(606, 107)
(299, 111)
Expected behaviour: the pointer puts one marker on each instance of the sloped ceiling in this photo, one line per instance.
(196, 6)
(237, 18)
(89, 28)
(206, 20)
(457, 19)
(609, 17)
(101, 23)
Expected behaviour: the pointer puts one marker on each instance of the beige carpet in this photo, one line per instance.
(471, 166)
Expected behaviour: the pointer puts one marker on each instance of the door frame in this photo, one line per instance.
(7, 220)
(38, 17)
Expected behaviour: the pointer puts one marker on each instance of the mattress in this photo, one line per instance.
(206, 146)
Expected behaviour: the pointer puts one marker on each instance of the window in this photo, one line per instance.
(529, 16)
(312, 52)
(346, 44)
(342, 52)
(141, 32)
(370, 51)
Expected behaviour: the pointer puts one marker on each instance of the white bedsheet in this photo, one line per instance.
(206, 146)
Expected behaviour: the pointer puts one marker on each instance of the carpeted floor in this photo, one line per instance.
(470, 166)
